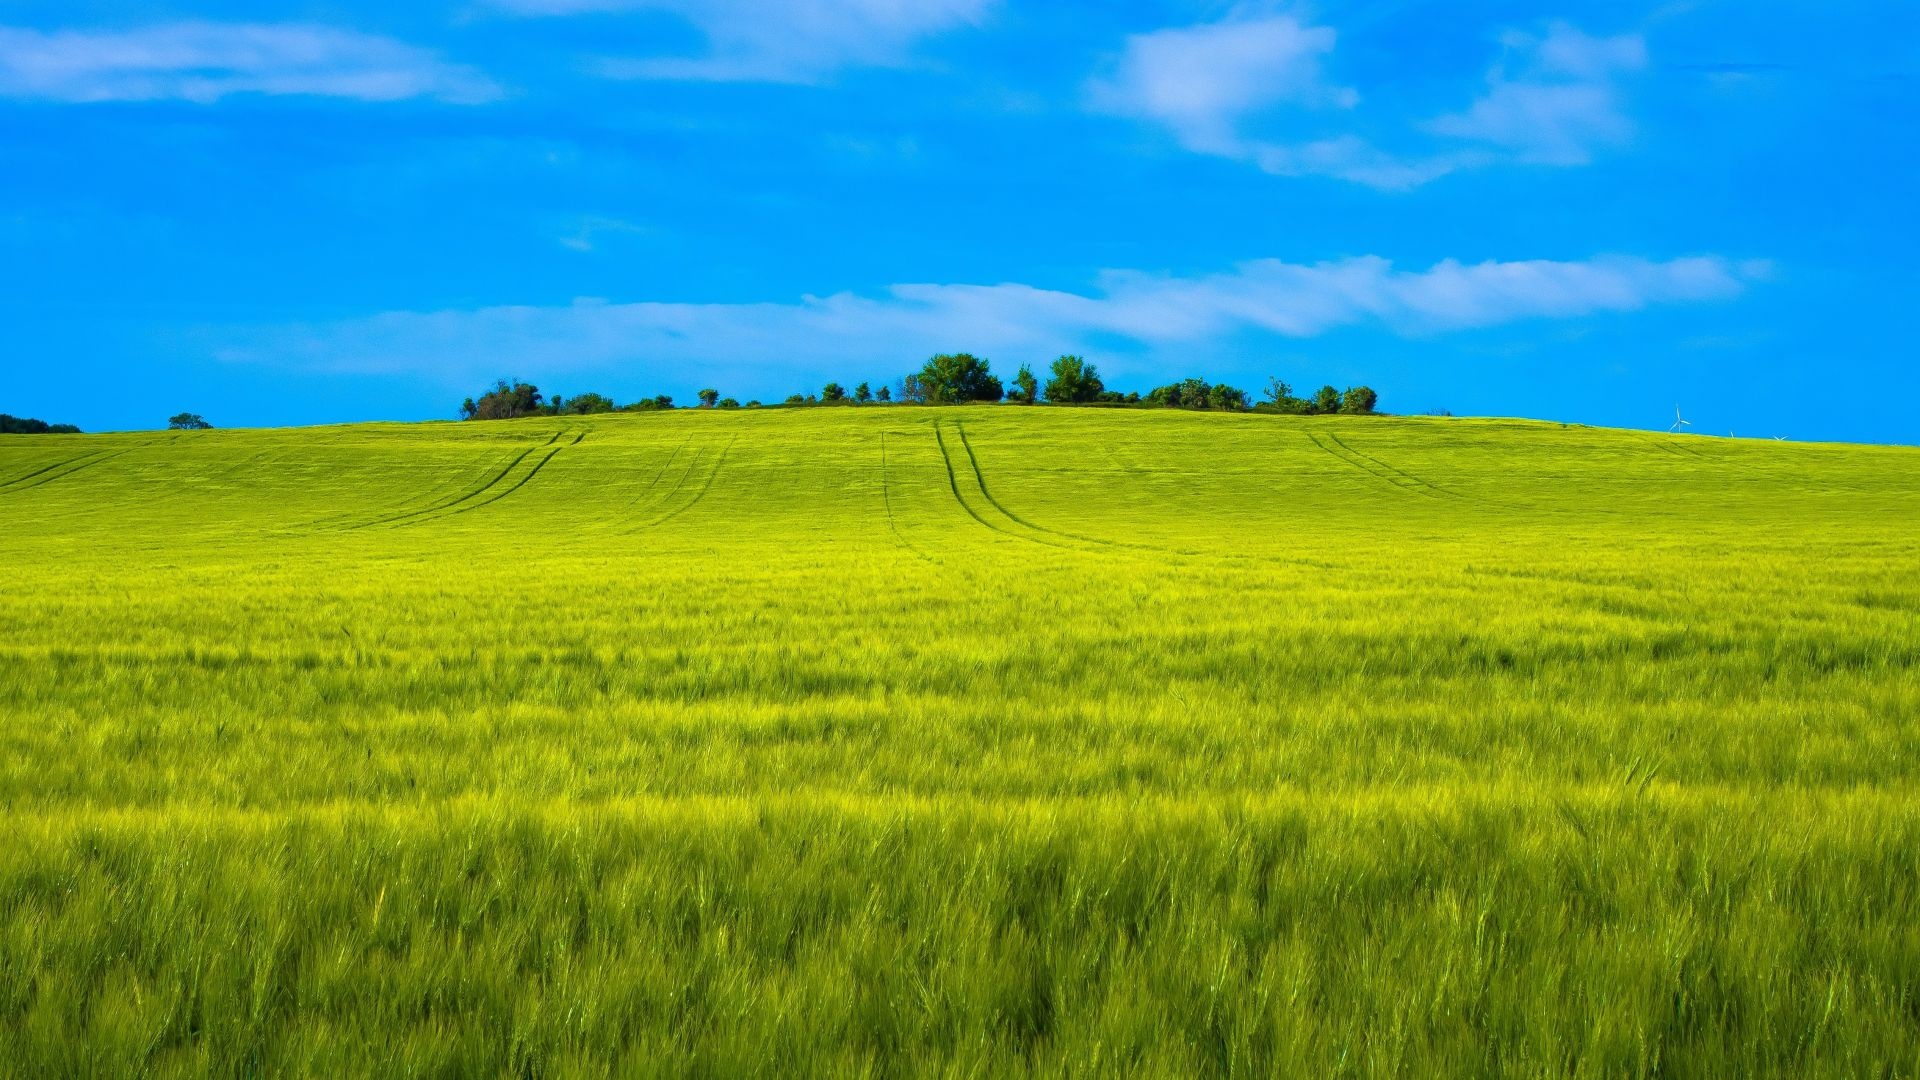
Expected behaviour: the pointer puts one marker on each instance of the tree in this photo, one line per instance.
(708, 397)
(1074, 382)
(833, 392)
(911, 391)
(1326, 400)
(1358, 399)
(187, 421)
(731, 403)
(956, 377)
(583, 405)
(21, 425)
(1026, 388)
(883, 395)
(504, 402)
(863, 393)
(1226, 398)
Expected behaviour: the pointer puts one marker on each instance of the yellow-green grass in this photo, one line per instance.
(974, 741)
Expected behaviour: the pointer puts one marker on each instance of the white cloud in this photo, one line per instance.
(848, 330)
(203, 62)
(797, 41)
(1203, 82)
(1552, 100)
(1563, 100)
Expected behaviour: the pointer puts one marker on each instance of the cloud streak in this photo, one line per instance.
(1552, 99)
(794, 41)
(846, 329)
(203, 62)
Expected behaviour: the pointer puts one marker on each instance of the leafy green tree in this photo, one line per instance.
(1359, 400)
(956, 377)
(796, 399)
(731, 403)
(187, 421)
(1074, 382)
(708, 398)
(504, 402)
(911, 392)
(883, 394)
(1226, 398)
(1026, 388)
(1326, 400)
(22, 425)
(583, 405)
(863, 393)
(833, 392)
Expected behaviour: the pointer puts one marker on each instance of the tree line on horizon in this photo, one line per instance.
(952, 379)
(23, 425)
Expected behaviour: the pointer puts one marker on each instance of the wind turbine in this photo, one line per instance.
(1678, 421)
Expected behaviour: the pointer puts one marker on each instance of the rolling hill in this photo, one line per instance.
(993, 740)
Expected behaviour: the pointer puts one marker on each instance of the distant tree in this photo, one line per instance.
(1074, 382)
(708, 397)
(731, 403)
(796, 399)
(833, 392)
(883, 394)
(21, 425)
(583, 405)
(911, 392)
(956, 377)
(1358, 399)
(1326, 400)
(863, 393)
(1226, 398)
(187, 421)
(1026, 388)
(754, 404)
(505, 401)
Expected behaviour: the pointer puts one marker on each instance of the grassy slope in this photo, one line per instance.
(983, 740)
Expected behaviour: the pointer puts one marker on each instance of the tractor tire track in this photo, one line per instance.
(706, 486)
(980, 478)
(50, 468)
(405, 518)
(1426, 484)
(1384, 477)
(518, 484)
(953, 484)
(16, 487)
(886, 499)
(456, 500)
(658, 475)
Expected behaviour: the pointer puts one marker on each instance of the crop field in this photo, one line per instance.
(986, 741)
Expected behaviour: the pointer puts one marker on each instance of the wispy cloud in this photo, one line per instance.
(1552, 99)
(1555, 100)
(1203, 82)
(848, 329)
(204, 62)
(794, 41)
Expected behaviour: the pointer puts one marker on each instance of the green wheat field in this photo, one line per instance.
(985, 741)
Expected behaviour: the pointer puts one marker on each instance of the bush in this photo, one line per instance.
(187, 421)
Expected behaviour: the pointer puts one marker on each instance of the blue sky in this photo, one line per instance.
(290, 213)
